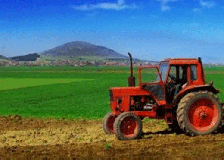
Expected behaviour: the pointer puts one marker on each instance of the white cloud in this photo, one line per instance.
(165, 8)
(197, 10)
(164, 4)
(120, 2)
(120, 5)
(207, 4)
(83, 7)
(204, 5)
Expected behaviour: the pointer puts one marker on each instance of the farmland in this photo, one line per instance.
(58, 92)
(67, 92)
(60, 108)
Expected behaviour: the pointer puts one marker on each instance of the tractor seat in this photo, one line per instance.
(177, 89)
(172, 90)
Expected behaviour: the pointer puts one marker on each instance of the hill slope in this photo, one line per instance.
(79, 49)
(2, 57)
(29, 57)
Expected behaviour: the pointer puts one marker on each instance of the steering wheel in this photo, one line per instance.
(173, 79)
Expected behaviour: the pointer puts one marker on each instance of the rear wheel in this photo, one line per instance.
(108, 123)
(128, 126)
(199, 113)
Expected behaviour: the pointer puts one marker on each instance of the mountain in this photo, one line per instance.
(81, 48)
(3, 57)
(29, 57)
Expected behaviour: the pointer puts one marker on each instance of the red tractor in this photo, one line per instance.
(173, 90)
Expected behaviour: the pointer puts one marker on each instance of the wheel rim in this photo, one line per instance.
(110, 123)
(129, 127)
(203, 114)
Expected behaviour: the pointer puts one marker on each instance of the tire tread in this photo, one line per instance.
(182, 109)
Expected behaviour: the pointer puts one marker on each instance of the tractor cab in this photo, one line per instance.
(171, 76)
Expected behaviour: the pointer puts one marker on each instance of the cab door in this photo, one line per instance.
(151, 81)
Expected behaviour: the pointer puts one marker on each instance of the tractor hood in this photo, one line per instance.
(119, 92)
(122, 92)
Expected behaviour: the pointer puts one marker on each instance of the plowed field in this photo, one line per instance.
(35, 138)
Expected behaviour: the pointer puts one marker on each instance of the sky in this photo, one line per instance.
(149, 29)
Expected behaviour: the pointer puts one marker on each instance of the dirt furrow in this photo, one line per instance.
(59, 138)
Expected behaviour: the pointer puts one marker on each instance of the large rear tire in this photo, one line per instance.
(199, 113)
(128, 126)
(108, 123)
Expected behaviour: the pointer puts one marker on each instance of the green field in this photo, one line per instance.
(68, 92)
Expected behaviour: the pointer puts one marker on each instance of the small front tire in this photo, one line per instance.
(128, 126)
(108, 123)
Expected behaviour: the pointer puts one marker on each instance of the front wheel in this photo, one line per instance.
(108, 123)
(128, 126)
(199, 113)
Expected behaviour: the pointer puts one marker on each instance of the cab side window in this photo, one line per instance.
(172, 73)
(183, 75)
(193, 72)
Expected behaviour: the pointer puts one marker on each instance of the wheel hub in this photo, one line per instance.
(129, 127)
(201, 113)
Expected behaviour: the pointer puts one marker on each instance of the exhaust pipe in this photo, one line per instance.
(131, 79)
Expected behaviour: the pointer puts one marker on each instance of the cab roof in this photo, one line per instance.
(181, 61)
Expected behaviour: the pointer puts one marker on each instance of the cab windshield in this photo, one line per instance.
(163, 69)
(150, 75)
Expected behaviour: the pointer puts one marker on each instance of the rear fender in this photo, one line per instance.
(182, 93)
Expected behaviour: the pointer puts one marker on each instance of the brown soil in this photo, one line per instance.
(35, 138)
